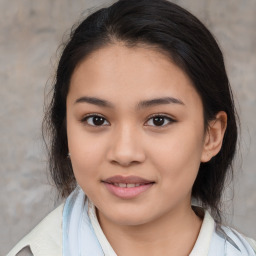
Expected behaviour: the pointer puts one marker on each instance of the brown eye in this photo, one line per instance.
(160, 120)
(95, 120)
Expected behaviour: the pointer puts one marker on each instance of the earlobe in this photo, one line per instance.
(214, 136)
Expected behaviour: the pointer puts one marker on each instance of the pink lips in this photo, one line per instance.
(128, 179)
(136, 185)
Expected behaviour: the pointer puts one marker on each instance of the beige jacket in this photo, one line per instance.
(44, 238)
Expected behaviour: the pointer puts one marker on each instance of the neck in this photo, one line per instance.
(172, 234)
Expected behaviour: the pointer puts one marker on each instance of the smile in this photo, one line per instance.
(127, 187)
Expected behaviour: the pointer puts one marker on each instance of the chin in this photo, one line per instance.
(129, 220)
(128, 217)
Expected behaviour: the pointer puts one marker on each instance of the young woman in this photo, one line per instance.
(142, 121)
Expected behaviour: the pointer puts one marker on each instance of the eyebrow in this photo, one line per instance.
(140, 105)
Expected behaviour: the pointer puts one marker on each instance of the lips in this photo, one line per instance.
(118, 179)
(127, 187)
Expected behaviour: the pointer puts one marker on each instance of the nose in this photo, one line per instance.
(126, 147)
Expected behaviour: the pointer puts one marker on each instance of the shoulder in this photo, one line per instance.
(216, 239)
(232, 242)
(44, 239)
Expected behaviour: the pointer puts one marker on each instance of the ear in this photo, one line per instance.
(214, 136)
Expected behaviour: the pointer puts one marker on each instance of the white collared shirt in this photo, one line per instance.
(210, 241)
(213, 239)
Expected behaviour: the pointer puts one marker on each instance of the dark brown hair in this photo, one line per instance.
(168, 28)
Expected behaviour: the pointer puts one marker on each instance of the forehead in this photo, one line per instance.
(125, 74)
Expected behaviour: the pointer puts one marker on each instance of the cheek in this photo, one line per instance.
(177, 156)
(86, 152)
(85, 159)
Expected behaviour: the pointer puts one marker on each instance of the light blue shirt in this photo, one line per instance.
(83, 236)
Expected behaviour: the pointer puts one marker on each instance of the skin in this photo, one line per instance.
(159, 221)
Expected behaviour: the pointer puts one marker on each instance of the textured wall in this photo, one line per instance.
(30, 34)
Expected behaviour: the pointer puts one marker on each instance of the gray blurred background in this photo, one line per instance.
(30, 33)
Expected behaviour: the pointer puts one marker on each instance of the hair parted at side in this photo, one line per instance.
(174, 31)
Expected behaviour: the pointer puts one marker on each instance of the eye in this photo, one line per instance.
(95, 120)
(157, 120)
(160, 120)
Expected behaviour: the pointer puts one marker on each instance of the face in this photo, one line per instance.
(135, 133)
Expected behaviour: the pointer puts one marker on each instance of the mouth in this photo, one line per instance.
(119, 179)
(127, 187)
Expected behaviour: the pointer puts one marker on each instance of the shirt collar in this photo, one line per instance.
(201, 247)
(105, 245)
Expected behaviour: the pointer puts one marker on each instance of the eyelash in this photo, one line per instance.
(170, 120)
